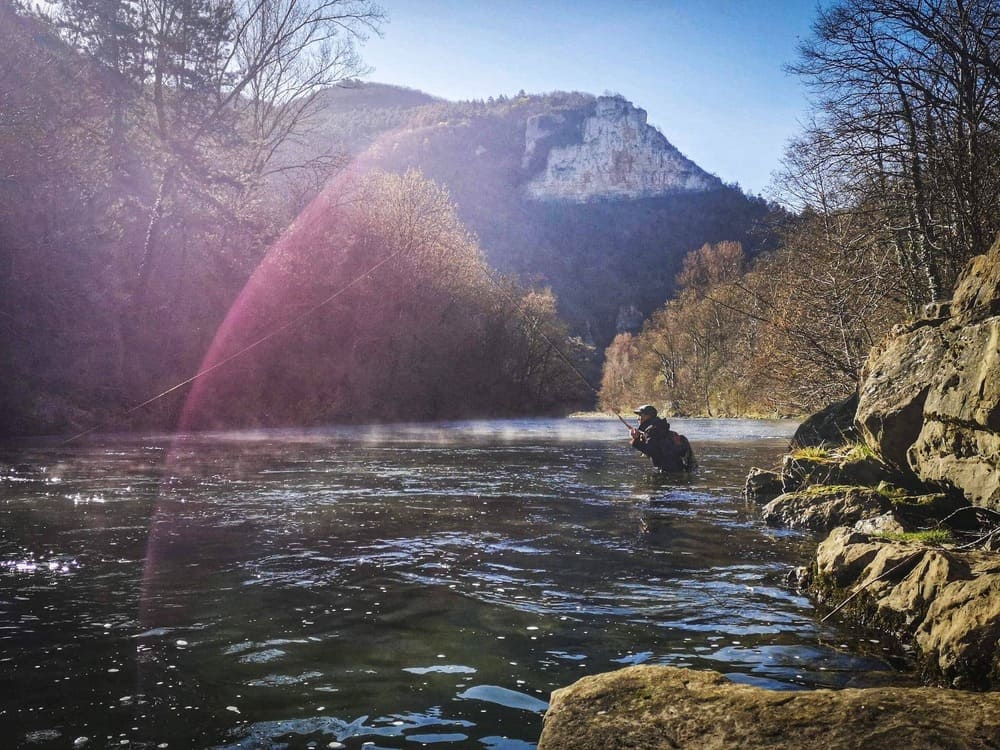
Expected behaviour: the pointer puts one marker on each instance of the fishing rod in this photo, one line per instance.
(534, 328)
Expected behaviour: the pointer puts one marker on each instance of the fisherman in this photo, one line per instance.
(670, 451)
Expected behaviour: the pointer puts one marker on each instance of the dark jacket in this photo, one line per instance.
(669, 450)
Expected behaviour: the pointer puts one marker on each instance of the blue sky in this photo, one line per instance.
(708, 73)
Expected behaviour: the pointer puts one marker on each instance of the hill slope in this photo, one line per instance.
(567, 190)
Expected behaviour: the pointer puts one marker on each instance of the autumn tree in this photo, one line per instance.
(687, 356)
(401, 319)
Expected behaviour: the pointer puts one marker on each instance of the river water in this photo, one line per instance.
(390, 587)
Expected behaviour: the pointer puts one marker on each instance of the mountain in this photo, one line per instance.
(611, 153)
(564, 189)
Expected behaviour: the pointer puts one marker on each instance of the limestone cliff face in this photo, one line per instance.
(612, 153)
(930, 394)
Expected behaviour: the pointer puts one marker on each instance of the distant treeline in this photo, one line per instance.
(896, 181)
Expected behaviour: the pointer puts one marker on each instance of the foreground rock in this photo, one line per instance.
(656, 708)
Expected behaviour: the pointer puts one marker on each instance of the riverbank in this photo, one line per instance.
(902, 489)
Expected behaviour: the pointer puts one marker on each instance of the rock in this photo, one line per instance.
(903, 580)
(960, 632)
(932, 507)
(960, 457)
(959, 442)
(799, 577)
(945, 602)
(887, 523)
(930, 394)
(842, 556)
(820, 508)
(762, 486)
(831, 426)
(937, 311)
(894, 385)
(977, 293)
(616, 155)
(798, 471)
(656, 708)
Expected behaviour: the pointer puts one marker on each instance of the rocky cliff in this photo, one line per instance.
(930, 394)
(614, 154)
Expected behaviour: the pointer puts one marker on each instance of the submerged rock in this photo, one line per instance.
(656, 708)
(762, 485)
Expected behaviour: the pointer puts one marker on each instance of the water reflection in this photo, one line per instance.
(391, 585)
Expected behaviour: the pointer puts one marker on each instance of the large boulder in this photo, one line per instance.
(930, 393)
(959, 442)
(944, 601)
(960, 632)
(895, 382)
(661, 708)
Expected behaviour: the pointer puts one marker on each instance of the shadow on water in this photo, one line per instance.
(386, 587)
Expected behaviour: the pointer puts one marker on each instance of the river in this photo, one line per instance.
(384, 587)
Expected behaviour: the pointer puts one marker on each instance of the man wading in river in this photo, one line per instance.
(670, 451)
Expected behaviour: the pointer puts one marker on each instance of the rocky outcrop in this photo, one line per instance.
(833, 425)
(930, 394)
(614, 154)
(823, 508)
(656, 708)
(878, 561)
(947, 602)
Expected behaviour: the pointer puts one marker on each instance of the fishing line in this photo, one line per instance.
(284, 327)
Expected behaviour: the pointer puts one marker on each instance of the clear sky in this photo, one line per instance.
(708, 72)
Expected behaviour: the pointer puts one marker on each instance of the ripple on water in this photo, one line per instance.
(328, 728)
(284, 680)
(441, 668)
(506, 697)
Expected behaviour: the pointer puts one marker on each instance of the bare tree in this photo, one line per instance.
(908, 98)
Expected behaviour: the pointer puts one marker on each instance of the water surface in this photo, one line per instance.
(390, 587)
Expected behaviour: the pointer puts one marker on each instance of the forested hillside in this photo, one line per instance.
(138, 199)
(593, 254)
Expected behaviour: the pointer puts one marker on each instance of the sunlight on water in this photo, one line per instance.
(391, 585)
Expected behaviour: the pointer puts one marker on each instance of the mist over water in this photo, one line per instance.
(386, 586)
